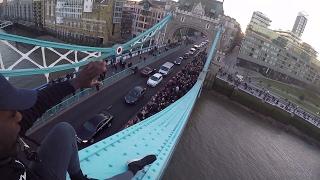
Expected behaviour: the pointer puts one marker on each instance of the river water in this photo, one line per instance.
(224, 141)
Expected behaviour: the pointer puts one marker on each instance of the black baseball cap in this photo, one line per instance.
(12, 98)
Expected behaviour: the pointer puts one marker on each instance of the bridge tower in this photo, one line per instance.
(195, 19)
(213, 8)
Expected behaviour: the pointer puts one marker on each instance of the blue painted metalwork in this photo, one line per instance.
(33, 71)
(159, 134)
(42, 43)
(107, 52)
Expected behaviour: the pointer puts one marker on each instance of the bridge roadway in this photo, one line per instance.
(113, 97)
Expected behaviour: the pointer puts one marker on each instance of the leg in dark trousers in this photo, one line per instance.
(58, 153)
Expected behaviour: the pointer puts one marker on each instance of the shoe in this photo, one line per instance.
(85, 177)
(136, 165)
(80, 176)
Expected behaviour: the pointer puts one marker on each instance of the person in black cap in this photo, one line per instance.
(58, 152)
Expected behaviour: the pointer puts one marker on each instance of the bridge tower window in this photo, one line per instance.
(207, 26)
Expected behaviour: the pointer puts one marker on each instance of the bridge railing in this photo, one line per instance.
(79, 96)
(82, 95)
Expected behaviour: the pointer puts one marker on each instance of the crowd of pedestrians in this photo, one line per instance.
(63, 78)
(175, 88)
(268, 97)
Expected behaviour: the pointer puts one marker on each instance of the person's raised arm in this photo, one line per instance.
(55, 93)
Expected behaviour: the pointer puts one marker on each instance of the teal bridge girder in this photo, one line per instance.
(158, 134)
(92, 53)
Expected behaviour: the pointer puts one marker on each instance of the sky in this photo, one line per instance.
(282, 13)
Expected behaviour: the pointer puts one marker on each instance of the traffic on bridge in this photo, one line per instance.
(112, 100)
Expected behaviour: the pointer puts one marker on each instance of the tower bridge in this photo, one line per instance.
(158, 134)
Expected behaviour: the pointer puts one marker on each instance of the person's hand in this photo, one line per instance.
(88, 76)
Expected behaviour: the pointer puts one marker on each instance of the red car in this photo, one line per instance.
(147, 71)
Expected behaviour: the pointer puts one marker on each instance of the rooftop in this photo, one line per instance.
(302, 13)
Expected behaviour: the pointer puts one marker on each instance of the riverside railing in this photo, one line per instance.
(282, 101)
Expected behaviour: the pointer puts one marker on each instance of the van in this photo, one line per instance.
(166, 68)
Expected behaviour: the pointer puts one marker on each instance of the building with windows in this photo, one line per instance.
(38, 13)
(20, 11)
(83, 21)
(259, 19)
(24, 12)
(2, 8)
(300, 24)
(145, 14)
(280, 55)
(230, 33)
(128, 13)
(117, 11)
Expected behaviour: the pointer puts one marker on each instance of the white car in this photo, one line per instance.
(192, 51)
(155, 79)
(196, 46)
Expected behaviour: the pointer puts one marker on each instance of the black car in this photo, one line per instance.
(135, 94)
(90, 128)
(185, 56)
